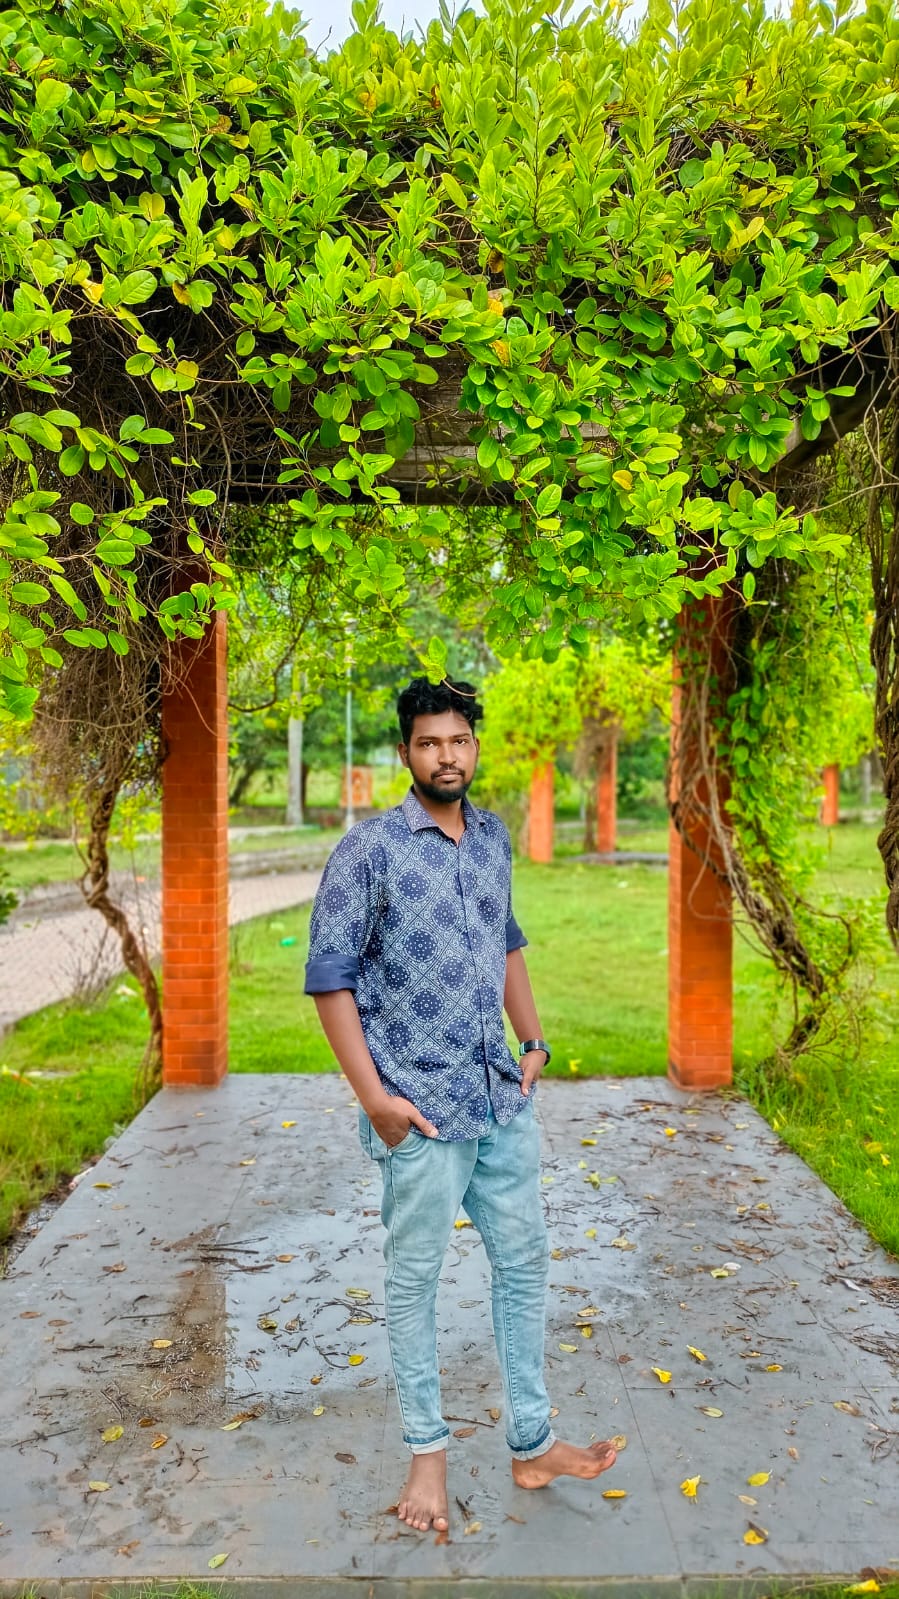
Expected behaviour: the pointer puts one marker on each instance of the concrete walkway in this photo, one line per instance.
(219, 1266)
(47, 955)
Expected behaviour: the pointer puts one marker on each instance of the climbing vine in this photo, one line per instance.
(594, 290)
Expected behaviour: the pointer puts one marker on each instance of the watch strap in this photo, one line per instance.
(528, 1044)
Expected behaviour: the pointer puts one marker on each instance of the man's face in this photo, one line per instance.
(442, 754)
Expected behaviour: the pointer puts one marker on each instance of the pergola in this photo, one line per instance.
(195, 802)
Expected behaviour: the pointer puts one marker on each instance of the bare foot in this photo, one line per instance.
(563, 1460)
(423, 1500)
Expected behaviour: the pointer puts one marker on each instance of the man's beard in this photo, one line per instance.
(442, 792)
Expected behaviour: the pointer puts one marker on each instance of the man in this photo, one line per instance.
(414, 953)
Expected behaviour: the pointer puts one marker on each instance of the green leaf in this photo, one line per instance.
(136, 287)
(29, 593)
(488, 450)
(201, 497)
(71, 461)
(45, 433)
(548, 499)
(455, 191)
(51, 95)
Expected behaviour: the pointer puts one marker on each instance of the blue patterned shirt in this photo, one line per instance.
(419, 928)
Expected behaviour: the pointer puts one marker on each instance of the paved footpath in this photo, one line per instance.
(53, 955)
(211, 1299)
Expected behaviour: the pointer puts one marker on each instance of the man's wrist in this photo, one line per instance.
(374, 1100)
(528, 1045)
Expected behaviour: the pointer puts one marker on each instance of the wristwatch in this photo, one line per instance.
(528, 1044)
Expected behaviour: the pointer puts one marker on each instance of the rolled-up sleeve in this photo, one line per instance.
(342, 919)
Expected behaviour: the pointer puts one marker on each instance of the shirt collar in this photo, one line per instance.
(417, 817)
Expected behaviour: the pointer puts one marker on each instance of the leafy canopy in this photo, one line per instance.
(592, 273)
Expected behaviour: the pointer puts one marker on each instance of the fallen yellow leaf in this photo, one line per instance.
(586, 1332)
(774, 1367)
(663, 1376)
(102, 1185)
(589, 1142)
(871, 1586)
(758, 1479)
(696, 1353)
(689, 1486)
(319, 1410)
(472, 1526)
(162, 1343)
(112, 1434)
(622, 1243)
(98, 1487)
(284, 1258)
(711, 1410)
(614, 1493)
(718, 1271)
(570, 1349)
(358, 1293)
(355, 1360)
(747, 1499)
(267, 1324)
(462, 1222)
(670, 1132)
(755, 1535)
(315, 1380)
(846, 1407)
(288, 1124)
(619, 1442)
(216, 1561)
(249, 1162)
(159, 1440)
(590, 1233)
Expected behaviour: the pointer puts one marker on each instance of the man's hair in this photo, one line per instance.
(421, 698)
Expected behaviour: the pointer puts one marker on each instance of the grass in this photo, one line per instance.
(597, 957)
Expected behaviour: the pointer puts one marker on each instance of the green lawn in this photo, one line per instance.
(597, 957)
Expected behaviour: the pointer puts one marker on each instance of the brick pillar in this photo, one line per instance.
(540, 817)
(607, 796)
(830, 805)
(700, 917)
(195, 862)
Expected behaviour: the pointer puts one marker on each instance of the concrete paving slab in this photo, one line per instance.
(155, 1300)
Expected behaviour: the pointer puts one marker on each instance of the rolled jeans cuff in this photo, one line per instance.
(431, 1448)
(537, 1449)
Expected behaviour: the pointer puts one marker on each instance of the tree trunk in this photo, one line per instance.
(95, 888)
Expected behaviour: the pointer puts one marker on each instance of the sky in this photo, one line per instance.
(330, 19)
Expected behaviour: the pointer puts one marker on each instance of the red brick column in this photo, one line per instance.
(607, 797)
(700, 921)
(195, 862)
(830, 805)
(540, 817)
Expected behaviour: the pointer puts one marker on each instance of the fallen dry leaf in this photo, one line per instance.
(586, 1332)
(846, 1407)
(473, 1526)
(267, 1324)
(111, 1434)
(119, 1266)
(98, 1487)
(147, 1421)
(465, 1432)
(711, 1410)
(102, 1185)
(622, 1243)
(554, 1411)
(345, 1460)
(358, 1293)
(758, 1479)
(619, 1442)
(160, 1439)
(793, 1452)
(689, 1486)
(284, 1258)
(663, 1376)
(359, 1321)
(747, 1499)
(316, 1380)
(162, 1343)
(696, 1353)
(249, 1162)
(614, 1493)
(239, 1419)
(129, 1548)
(755, 1534)
(718, 1271)
(319, 1410)
(591, 1142)
(493, 1413)
(570, 1349)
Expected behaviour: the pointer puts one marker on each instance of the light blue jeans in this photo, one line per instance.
(494, 1179)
